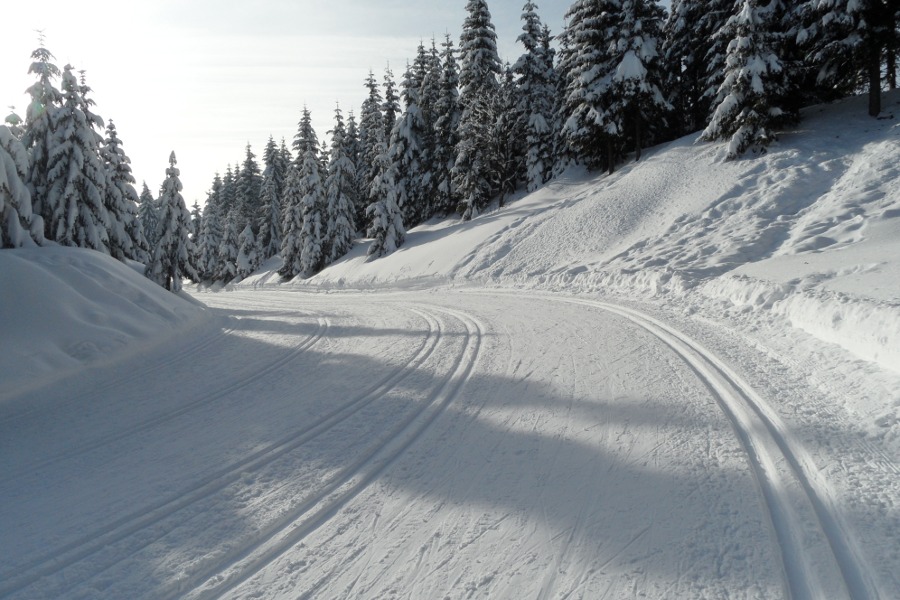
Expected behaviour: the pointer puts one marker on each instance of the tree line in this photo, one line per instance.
(461, 130)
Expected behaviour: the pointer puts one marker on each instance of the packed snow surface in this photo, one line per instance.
(678, 381)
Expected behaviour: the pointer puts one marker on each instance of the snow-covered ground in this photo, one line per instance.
(678, 381)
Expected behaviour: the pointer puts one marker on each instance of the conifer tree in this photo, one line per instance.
(15, 124)
(76, 180)
(407, 155)
(748, 102)
(475, 171)
(371, 136)
(292, 226)
(126, 234)
(248, 190)
(228, 249)
(229, 191)
(313, 241)
(391, 107)
(248, 254)
(352, 152)
(210, 235)
(386, 229)
(148, 216)
(172, 256)
(448, 114)
(339, 189)
(537, 88)
(18, 225)
(509, 134)
(270, 218)
(38, 134)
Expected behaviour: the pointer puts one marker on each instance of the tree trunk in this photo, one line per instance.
(892, 68)
(875, 82)
(637, 133)
(611, 160)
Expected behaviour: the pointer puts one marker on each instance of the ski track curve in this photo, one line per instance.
(227, 573)
(208, 398)
(768, 443)
(148, 516)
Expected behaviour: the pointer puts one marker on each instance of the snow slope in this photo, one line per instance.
(62, 309)
(676, 381)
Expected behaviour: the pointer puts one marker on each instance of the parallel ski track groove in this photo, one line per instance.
(750, 414)
(159, 419)
(114, 532)
(243, 563)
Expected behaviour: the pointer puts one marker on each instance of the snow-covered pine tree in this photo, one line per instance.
(228, 249)
(171, 260)
(352, 152)
(854, 39)
(229, 191)
(38, 134)
(694, 59)
(475, 171)
(586, 61)
(748, 104)
(371, 136)
(249, 190)
(18, 225)
(248, 253)
(407, 155)
(15, 124)
(148, 215)
(448, 114)
(196, 220)
(536, 97)
(313, 243)
(76, 179)
(292, 226)
(339, 189)
(271, 210)
(428, 78)
(510, 133)
(210, 235)
(126, 233)
(633, 98)
(386, 229)
(391, 107)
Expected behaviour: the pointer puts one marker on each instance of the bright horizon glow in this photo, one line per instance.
(204, 78)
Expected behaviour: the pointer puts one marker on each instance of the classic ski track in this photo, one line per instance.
(242, 563)
(159, 419)
(128, 378)
(766, 440)
(148, 516)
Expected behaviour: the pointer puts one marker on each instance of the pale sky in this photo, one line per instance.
(204, 77)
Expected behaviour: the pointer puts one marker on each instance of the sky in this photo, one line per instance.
(205, 78)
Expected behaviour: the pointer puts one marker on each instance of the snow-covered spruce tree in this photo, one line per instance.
(475, 171)
(313, 242)
(587, 63)
(386, 229)
(339, 189)
(148, 216)
(428, 78)
(509, 135)
(171, 260)
(694, 59)
(447, 116)
(248, 253)
(371, 137)
(748, 107)
(271, 210)
(210, 238)
(391, 107)
(15, 124)
(407, 156)
(536, 97)
(635, 105)
(852, 41)
(228, 249)
(38, 135)
(229, 191)
(292, 225)
(76, 179)
(249, 190)
(126, 233)
(18, 225)
(352, 152)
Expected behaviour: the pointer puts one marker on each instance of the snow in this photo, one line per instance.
(679, 380)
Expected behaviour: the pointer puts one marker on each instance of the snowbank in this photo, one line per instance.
(63, 308)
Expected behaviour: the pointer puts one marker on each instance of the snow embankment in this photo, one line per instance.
(64, 308)
(808, 232)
